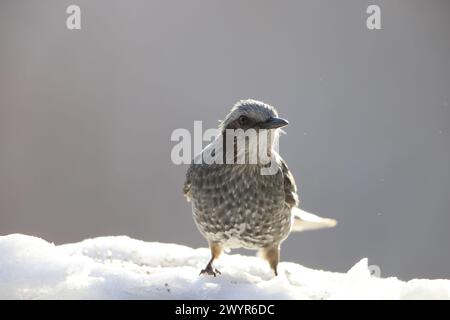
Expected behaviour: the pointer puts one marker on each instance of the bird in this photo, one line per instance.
(234, 205)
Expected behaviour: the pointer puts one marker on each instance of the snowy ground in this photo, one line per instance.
(123, 268)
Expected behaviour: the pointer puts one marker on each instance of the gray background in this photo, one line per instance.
(86, 118)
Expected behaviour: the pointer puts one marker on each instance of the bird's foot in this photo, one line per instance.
(210, 271)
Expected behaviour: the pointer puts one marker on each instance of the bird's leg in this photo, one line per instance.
(216, 250)
(272, 255)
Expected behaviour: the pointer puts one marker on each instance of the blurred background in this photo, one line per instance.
(86, 118)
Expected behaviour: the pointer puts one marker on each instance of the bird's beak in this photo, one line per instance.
(273, 123)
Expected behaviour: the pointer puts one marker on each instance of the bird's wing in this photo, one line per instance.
(307, 221)
(290, 188)
(302, 220)
(187, 185)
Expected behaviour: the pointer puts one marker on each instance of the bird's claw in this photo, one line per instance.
(209, 270)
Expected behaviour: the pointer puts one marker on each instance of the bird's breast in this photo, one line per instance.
(236, 204)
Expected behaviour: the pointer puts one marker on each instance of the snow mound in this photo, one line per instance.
(124, 268)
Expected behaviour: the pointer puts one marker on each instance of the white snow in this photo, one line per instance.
(124, 268)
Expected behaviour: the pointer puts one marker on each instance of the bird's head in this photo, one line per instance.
(253, 127)
(252, 114)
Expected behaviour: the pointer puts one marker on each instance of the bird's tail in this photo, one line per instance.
(304, 221)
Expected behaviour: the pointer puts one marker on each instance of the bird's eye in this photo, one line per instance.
(243, 120)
